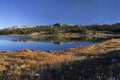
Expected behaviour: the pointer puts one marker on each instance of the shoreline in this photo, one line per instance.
(100, 34)
(53, 51)
(41, 65)
(107, 46)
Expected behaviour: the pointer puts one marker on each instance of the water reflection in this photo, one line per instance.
(45, 43)
(57, 39)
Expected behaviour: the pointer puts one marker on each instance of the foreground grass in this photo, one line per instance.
(27, 63)
(104, 67)
(97, 62)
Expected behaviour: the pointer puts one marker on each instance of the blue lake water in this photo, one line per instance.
(14, 43)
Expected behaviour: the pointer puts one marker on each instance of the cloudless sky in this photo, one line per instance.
(42, 12)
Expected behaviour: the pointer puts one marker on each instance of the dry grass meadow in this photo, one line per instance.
(96, 62)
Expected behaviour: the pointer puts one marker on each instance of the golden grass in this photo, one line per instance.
(97, 49)
(23, 61)
(27, 60)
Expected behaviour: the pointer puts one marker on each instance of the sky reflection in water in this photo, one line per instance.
(14, 43)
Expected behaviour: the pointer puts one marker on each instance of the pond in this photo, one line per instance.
(44, 43)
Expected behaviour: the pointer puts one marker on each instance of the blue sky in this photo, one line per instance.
(40, 12)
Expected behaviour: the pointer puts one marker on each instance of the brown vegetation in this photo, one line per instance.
(27, 62)
(98, 49)
(82, 63)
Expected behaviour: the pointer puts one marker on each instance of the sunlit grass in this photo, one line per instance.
(84, 63)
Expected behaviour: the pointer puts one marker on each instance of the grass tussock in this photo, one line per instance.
(29, 62)
(105, 67)
(98, 49)
(72, 64)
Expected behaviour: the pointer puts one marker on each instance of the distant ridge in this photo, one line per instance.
(56, 24)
